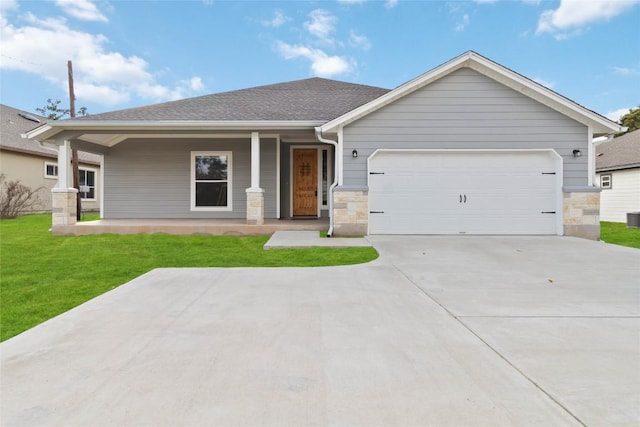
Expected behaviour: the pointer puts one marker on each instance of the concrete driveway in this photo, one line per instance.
(440, 331)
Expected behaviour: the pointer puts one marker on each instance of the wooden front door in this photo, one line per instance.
(305, 182)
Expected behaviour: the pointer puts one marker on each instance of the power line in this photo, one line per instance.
(22, 60)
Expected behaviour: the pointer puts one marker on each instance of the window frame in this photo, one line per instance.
(55, 168)
(95, 183)
(83, 169)
(609, 185)
(229, 181)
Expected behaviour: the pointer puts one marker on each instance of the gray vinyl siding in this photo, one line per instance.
(465, 110)
(151, 178)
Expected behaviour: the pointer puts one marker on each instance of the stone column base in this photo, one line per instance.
(582, 213)
(63, 206)
(255, 206)
(350, 211)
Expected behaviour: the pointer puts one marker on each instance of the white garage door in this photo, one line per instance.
(458, 192)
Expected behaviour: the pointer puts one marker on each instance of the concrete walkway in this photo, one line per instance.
(305, 239)
(442, 331)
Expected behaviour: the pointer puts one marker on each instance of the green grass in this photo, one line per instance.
(42, 275)
(618, 234)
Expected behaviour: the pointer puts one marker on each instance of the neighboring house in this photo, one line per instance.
(35, 165)
(468, 147)
(618, 170)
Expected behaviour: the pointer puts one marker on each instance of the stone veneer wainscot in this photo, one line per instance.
(350, 211)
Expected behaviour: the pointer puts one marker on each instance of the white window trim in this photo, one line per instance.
(46, 175)
(610, 186)
(95, 182)
(192, 178)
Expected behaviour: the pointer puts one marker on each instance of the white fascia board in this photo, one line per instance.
(37, 132)
(50, 130)
(494, 71)
(543, 95)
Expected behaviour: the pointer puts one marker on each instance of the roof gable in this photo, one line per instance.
(600, 125)
(619, 153)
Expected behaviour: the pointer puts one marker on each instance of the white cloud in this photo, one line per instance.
(572, 16)
(8, 5)
(84, 10)
(390, 4)
(195, 84)
(357, 40)
(533, 2)
(625, 71)
(322, 65)
(278, 19)
(352, 1)
(616, 115)
(43, 47)
(545, 83)
(485, 1)
(462, 24)
(322, 25)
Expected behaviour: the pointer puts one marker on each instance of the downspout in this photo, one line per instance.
(320, 138)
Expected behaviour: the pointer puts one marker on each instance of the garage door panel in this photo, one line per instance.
(463, 192)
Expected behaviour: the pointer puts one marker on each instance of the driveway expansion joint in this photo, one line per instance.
(494, 350)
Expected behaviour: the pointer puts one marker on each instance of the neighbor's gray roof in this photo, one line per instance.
(14, 122)
(619, 153)
(313, 99)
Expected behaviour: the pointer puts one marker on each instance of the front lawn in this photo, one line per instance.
(618, 234)
(42, 275)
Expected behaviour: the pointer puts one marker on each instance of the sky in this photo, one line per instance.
(134, 53)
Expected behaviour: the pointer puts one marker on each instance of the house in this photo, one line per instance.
(618, 173)
(36, 165)
(468, 147)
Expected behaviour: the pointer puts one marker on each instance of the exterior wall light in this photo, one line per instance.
(354, 154)
(577, 153)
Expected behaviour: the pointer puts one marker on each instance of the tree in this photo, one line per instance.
(54, 111)
(631, 120)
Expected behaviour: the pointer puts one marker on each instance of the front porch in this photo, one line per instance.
(228, 227)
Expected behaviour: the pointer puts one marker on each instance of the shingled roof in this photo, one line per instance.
(313, 99)
(14, 122)
(619, 153)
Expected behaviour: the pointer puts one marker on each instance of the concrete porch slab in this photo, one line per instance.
(230, 227)
(305, 239)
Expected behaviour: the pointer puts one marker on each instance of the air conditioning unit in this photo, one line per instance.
(633, 220)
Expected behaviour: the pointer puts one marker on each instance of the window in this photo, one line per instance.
(86, 179)
(605, 182)
(50, 170)
(87, 183)
(211, 181)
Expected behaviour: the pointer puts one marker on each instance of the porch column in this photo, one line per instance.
(255, 194)
(63, 195)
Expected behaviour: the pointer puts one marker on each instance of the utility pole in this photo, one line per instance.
(74, 152)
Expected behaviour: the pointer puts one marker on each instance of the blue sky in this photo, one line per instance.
(133, 53)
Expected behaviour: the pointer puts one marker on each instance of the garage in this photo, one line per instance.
(465, 192)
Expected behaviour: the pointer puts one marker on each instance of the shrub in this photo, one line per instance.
(17, 198)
